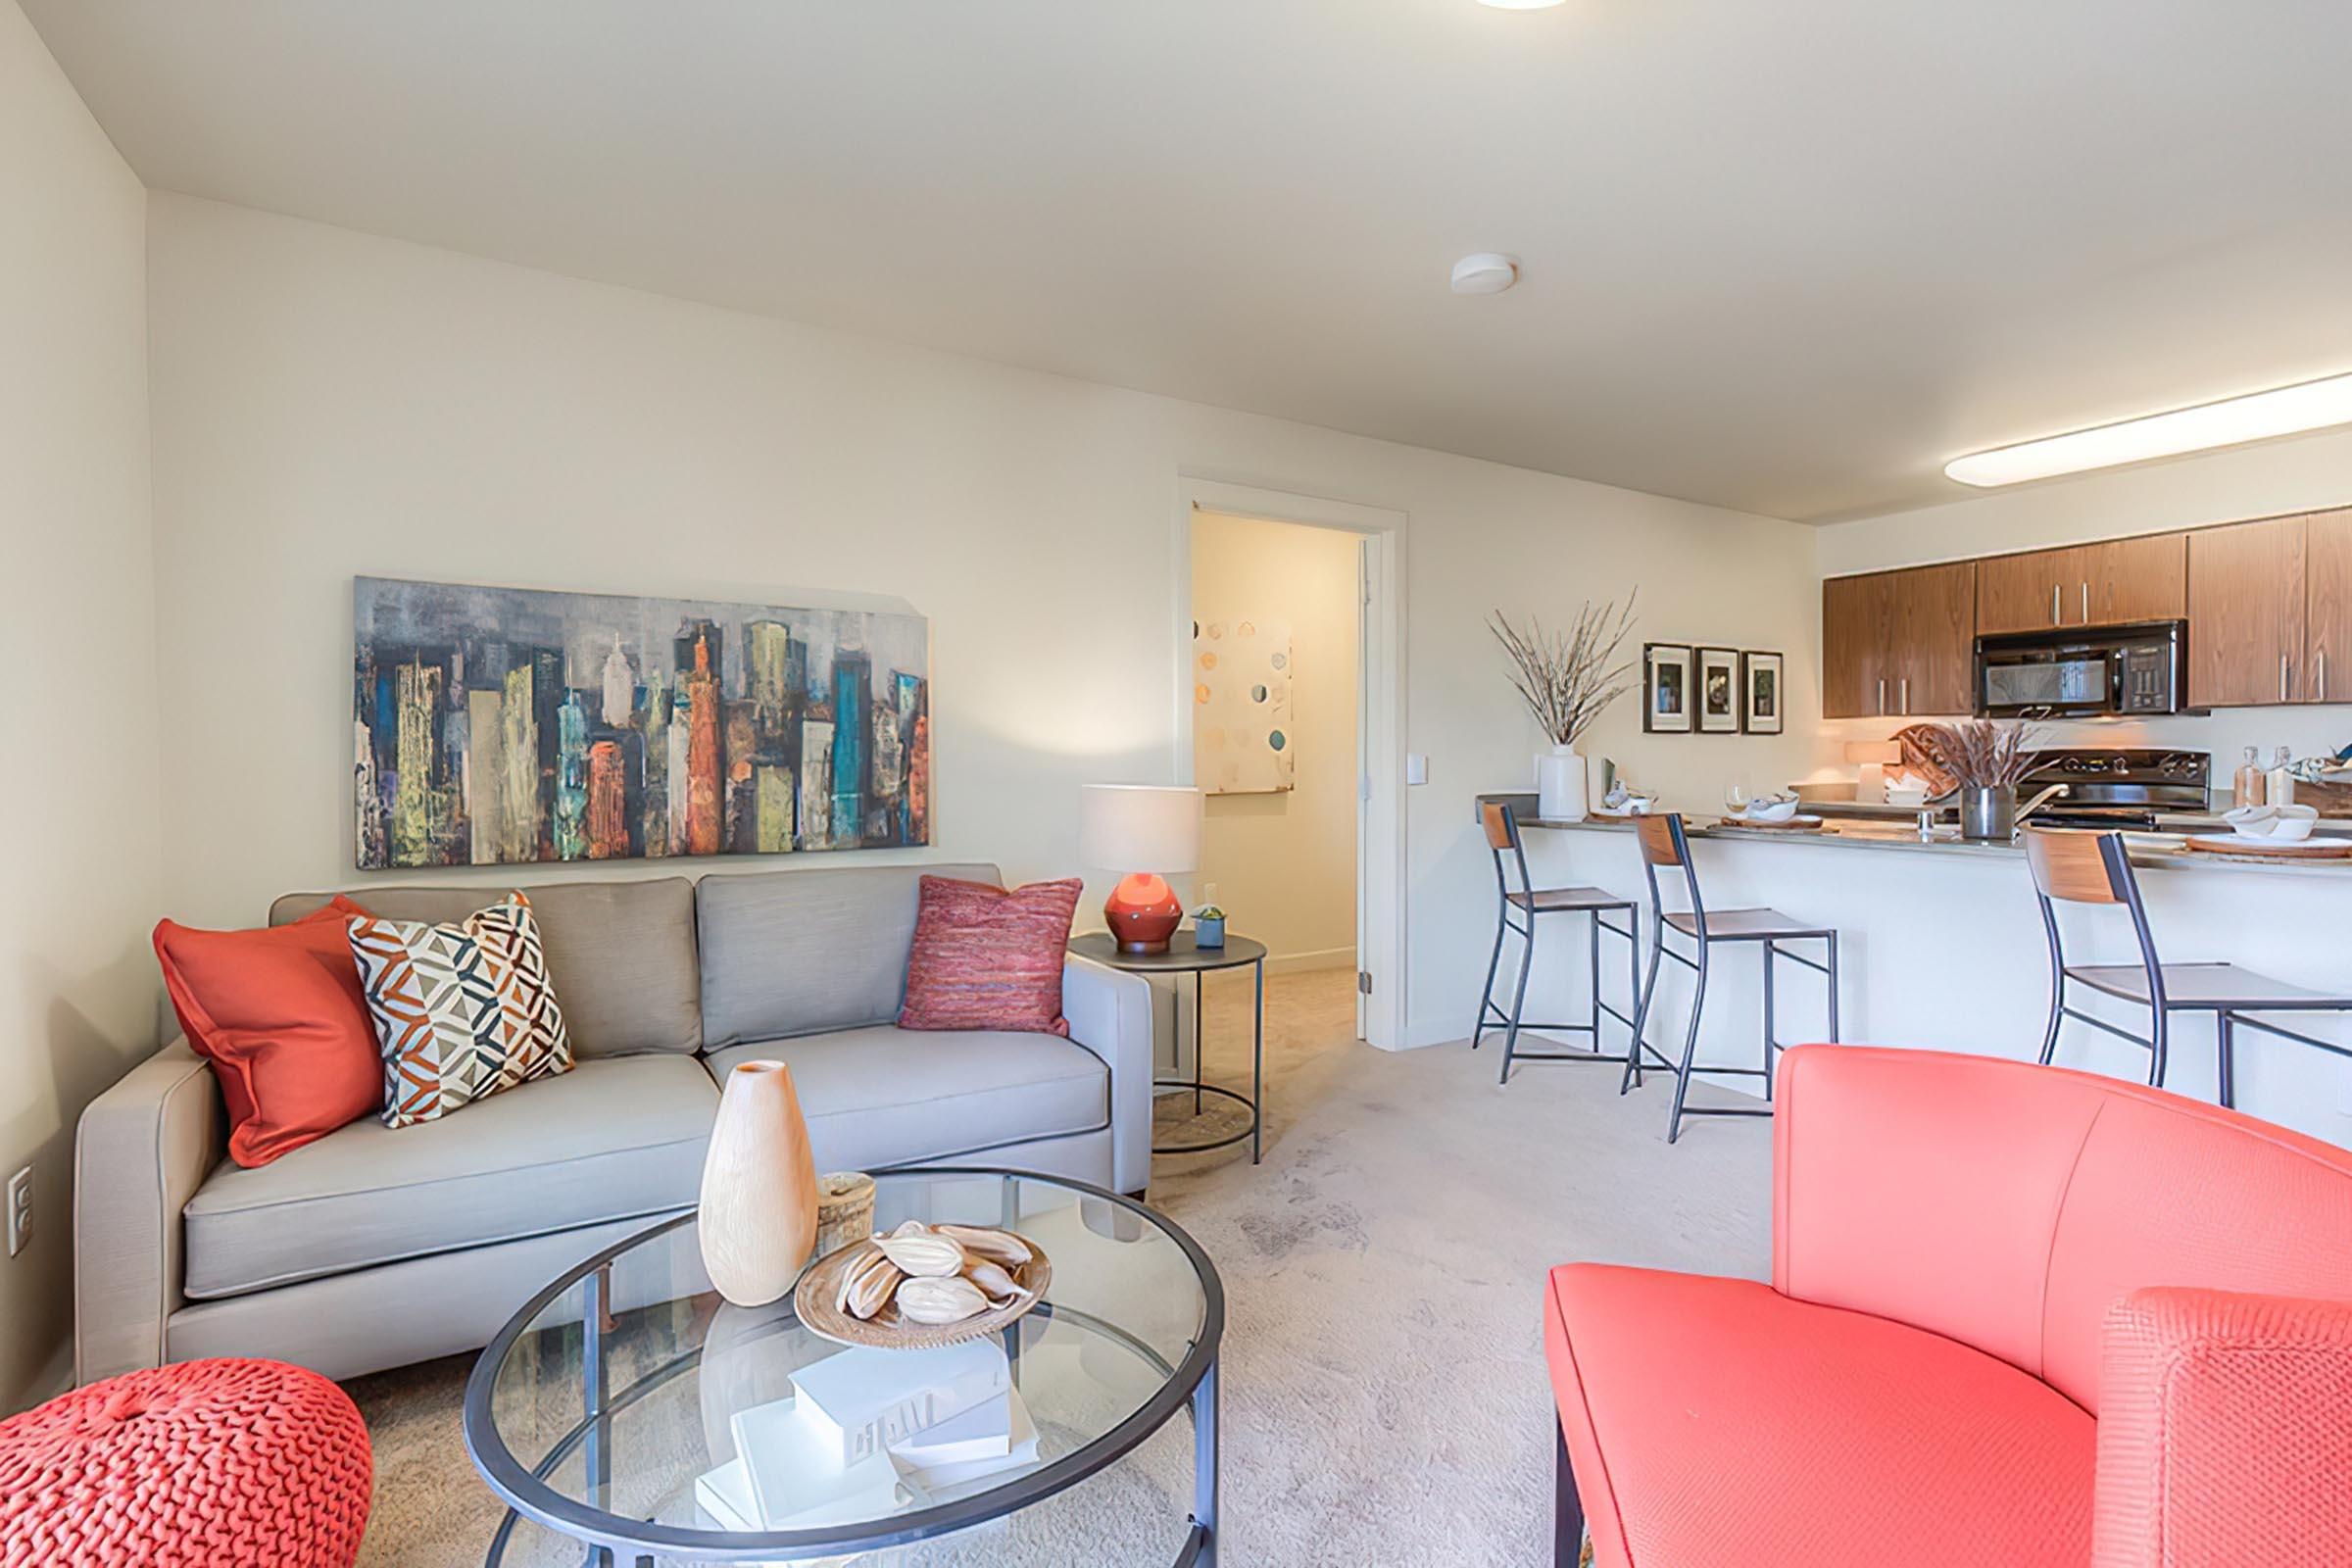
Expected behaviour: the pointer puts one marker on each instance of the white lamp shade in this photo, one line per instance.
(1139, 827)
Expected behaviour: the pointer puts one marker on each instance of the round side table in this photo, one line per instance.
(1182, 958)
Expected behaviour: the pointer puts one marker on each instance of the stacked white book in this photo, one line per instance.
(871, 1433)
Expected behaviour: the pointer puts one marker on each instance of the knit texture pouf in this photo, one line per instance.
(224, 1463)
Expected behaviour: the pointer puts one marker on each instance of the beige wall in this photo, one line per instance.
(328, 404)
(1283, 864)
(78, 775)
(2308, 473)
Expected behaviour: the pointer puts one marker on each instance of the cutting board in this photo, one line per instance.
(2247, 850)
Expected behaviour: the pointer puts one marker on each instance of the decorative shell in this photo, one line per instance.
(867, 1284)
(997, 1285)
(937, 1300)
(921, 1252)
(997, 1247)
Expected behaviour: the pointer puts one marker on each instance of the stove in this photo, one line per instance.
(2118, 786)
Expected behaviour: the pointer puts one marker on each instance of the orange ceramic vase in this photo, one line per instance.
(758, 1202)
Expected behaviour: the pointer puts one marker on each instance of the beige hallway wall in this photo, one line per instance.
(79, 773)
(1283, 864)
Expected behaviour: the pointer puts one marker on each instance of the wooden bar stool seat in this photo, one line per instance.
(1664, 844)
(1746, 926)
(1519, 909)
(2071, 867)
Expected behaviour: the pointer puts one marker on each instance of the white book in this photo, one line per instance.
(949, 1479)
(798, 1480)
(867, 1398)
(984, 1432)
(725, 1498)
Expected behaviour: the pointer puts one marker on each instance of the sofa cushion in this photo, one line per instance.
(884, 1096)
(606, 1140)
(620, 954)
(798, 952)
(1716, 1421)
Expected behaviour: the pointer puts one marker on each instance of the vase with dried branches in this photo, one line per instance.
(1987, 762)
(1567, 679)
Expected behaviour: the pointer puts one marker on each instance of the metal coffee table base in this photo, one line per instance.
(1256, 1131)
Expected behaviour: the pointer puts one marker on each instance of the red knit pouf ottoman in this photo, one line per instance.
(223, 1464)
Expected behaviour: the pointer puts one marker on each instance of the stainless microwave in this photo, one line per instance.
(2083, 671)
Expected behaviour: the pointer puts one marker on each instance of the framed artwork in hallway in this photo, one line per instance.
(502, 726)
(1666, 688)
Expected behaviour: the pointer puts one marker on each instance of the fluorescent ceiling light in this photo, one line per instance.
(2256, 417)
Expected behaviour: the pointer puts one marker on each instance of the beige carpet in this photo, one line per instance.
(1385, 1399)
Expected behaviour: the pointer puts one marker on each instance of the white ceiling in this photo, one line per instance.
(1781, 255)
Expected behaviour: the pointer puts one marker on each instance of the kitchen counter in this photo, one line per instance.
(2160, 851)
(1942, 946)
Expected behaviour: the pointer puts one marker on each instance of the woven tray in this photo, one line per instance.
(2307, 850)
(813, 1302)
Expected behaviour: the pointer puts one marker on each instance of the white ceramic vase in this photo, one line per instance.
(759, 1193)
(1561, 785)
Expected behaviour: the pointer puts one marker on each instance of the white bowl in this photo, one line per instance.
(1772, 810)
(2293, 823)
(2255, 819)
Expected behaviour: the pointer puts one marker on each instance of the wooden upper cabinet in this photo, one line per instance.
(2033, 592)
(2327, 606)
(1935, 639)
(1898, 642)
(1857, 622)
(2248, 614)
(2129, 580)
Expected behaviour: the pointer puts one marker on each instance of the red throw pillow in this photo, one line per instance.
(984, 958)
(279, 1014)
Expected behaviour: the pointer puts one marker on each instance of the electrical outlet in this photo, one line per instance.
(20, 1210)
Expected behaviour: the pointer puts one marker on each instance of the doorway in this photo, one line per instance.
(1276, 651)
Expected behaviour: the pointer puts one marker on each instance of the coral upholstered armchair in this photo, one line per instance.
(2018, 1315)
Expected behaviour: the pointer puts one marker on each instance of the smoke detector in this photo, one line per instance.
(1487, 272)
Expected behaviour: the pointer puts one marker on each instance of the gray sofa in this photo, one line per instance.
(374, 1247)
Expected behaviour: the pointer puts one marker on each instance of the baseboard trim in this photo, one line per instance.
(1321, 958)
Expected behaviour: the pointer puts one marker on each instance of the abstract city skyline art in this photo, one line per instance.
(498, 726)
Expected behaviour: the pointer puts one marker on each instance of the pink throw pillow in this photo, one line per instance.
(984, 958)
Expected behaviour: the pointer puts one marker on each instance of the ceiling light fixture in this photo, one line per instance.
(2256, 417)
(1487, 272)
(1522, 4)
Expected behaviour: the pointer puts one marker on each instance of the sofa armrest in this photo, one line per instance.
(1111, 1014)
(2222, 1431)
(142, 1150)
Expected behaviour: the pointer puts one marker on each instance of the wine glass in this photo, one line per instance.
(1735, 796)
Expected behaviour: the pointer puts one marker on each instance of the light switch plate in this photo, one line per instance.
(1416, 768)
(20, 1210)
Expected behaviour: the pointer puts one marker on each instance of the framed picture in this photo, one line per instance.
(1760, 693)
(1666, 688)
(1718, 683)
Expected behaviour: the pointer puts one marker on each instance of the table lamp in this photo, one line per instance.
(1145, 832)
(1873, 755)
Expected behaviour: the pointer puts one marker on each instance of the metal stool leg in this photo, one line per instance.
(2049, 1036)
(1527, 962)
(1486, 995)
(2157, 1048)
(1768, 1013)
(1633, 989)
(1835, 1034)
(1648, 990)
(2225, 1028)
(1682, 1080)
(1592, 918)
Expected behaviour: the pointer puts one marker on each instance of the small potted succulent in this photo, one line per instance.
(1208, 926)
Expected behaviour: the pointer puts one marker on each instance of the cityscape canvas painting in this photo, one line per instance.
(498, 726)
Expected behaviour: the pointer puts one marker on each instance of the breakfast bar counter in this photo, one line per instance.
(1943, 947)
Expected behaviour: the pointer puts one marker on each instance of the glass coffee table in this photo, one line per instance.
(599, 1405)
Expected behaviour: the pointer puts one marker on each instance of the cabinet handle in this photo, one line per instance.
(2282, 677)
(1882, 696)
(2323, 662)
(1905, 685)
(2057, 615)
(2087, 604)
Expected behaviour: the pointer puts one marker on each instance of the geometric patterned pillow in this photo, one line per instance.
(461, 1012)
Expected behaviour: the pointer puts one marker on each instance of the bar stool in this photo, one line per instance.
(2078, 867)
(1530, 903)
(1663, 844)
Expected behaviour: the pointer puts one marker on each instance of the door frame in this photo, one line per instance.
(1379, 794)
